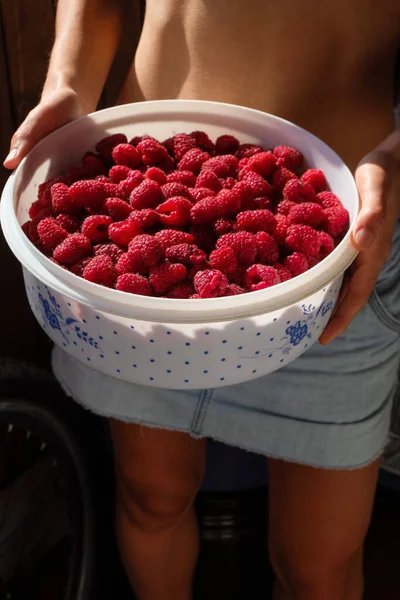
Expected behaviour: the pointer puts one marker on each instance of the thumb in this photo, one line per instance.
(25, 138)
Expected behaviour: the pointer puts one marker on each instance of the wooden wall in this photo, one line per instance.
(26, 37)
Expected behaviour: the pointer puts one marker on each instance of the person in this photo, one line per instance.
(323, 420)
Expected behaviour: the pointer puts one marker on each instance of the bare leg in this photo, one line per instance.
(159, 473)
(318, 522)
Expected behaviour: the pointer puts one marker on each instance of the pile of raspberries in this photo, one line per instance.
(187, 218)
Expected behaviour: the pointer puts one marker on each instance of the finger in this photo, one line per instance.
(373, 181)
(355, 296)
(31, 131)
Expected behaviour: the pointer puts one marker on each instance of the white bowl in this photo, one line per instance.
(167, 343)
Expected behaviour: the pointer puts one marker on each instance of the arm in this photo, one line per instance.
(87, 38)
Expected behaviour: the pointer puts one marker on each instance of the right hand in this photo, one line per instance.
(56, 108)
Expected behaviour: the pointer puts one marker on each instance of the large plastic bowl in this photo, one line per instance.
(170, 343)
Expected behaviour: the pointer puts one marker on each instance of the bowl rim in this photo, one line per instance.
(166, 309)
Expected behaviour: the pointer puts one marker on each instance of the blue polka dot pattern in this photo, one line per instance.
(206, 352)
(115, 332)
(187, 344)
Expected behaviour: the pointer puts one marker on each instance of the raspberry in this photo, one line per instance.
(146, 195)
(287, 157)
(230, 201)
(100, 270)
(30, 230)
(200, 193)
(296, 263)
(126, 155)
(316, 179)
(113, 190)
(130, 262)
(44, 195)
(166, 275)
(206, 211)
(257, 184)
(172, 237)
(262, 163)
(267, 248)
(62, 201)
(232, 163)
(226, 144)
(152, 152)
(76, 173)
(107, 144)
(308, 213)
(186, 178)
(217, 165)
(169, 190)
(303, 238)
(126, 187)
(223, 259)
(181, 291)
(38, 211)
(187, 254)
(284, 207)
(256, 220)
(156, 175)
(263, 203)
(149, 249)
(183, 143)
(280, 177)
(89, 194)
(94, 164)
(175, 212)
(134, 284)
(119, 173)
(327, 244)
(78, 268)
(245, 194)
(72, 249)
(228, 183)
(69, 223)
(259, 277)
(169, 145)
(204, 236)
(210, 284)
(312, 261)
(222, 226)
(167, 165)
(194, 270)
(337, 220)
(243, 244)
(328, 200)
(238, 275)
(147, 217)
(118, 209)
(248, 150)
(193, 160)
(96, 227)
(202, 140)
(109, 249)
(283, 272)
(233, 289)
(282, 223)
(295, 191)
(123, 232)
(139, 138)
(208, 179)
(51, 234)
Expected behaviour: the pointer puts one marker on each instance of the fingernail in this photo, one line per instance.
(364, 238)
(12, 155)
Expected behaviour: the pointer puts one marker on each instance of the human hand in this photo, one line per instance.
(378, 181)
(56, 108)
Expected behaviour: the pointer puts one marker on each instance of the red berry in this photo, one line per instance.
(118, 209)
(100, 270)
(181, 291)
(62, 201)
(257, 184)
(72, 249)
(328, 200)
(193, 160)
(186, 178)
(167, 165)
(107, 144)
(152, 152)
(222, 226)
(119, 173)
(149, 249)
(134, 284)
(200, 193)
(187, 254)
(208, 179)
(244, 192)
(126, 187)
(282, 223)
(156, 175)
(89, 194)
(166, 275)
(77, 173)
(170, 190)
(256, 220)
(287, 157)
(283, 272)
(297, 263)
(267, 248)
(262, 163)
(96, 227)
(226, 144)
(298, 192)
(218, 165)
(38, 211)
(303, 238)
(337, 220)
(206, 211)
(327, 244)
(316, 179)
(308, 213)
(263, 203)
(258, 277)
(171, 237)
(69, 223)
(280, 177)
(94, 164)
(182, 144)
(202, 140)
(109, 249)
(248, 150)
(147, 217)
(123, 232)
(78, 268)
(126, 155)
(51, 234)
(175, 212)
(210, 284)
(224, 259)
(233, 289)
(284, 207)
(130, 262)
(146, 195)
(243, 244)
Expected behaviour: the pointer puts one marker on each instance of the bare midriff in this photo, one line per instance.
(327, 65)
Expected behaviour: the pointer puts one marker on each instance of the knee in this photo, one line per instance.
(156, 503)
(324, 576)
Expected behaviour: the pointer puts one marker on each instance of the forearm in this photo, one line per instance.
(87, 38)
(391, 144)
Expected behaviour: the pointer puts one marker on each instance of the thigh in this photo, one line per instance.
(161, 462)
(318, 517)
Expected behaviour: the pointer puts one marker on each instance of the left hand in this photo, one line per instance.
(378, 181)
